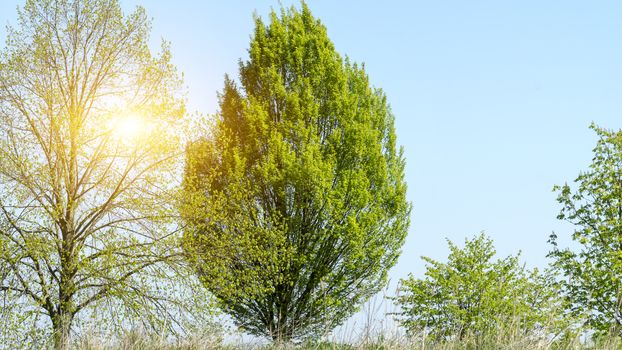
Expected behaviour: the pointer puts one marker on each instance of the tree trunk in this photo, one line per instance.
(65, 310)
(281, 333)
(61, 324)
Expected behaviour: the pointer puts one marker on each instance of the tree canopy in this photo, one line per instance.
(88, 153)
(593, 274)
(296, 195)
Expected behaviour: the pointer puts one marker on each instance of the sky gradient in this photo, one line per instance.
(492, 99)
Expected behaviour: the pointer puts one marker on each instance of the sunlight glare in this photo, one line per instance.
(130, 127)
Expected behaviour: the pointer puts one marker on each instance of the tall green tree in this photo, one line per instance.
(297, 201)
(474, 297)
(593, 273)
(88, 155)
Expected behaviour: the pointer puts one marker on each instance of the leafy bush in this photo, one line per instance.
(473, 296)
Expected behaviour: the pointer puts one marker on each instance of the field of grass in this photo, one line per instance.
(388, 338)
(135, 342)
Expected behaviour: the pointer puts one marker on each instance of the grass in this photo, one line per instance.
(378, 331)
(135, 341)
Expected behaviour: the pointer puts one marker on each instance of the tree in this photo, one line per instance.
(594, 273)
(87, 152)
(296, 196)
(474, 296)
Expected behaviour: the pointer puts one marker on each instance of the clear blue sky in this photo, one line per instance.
(492, 99)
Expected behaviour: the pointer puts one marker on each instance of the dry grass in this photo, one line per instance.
(497, 342)
(377, 332)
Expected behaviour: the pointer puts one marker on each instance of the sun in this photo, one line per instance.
(130, 127)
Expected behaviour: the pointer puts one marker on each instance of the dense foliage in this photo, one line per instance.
(474, 296)
(297, 203)
(593, 274)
